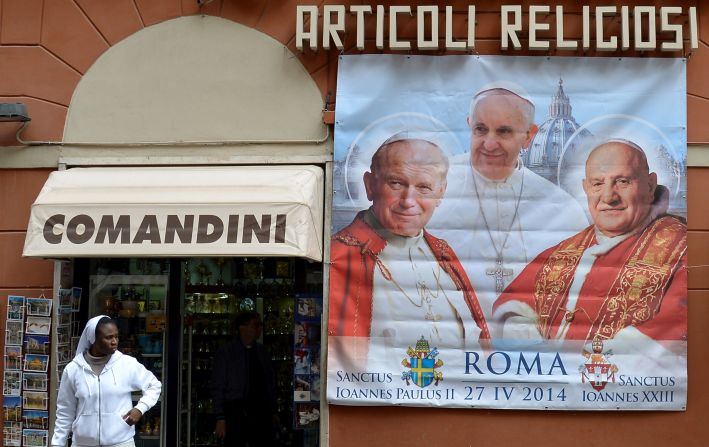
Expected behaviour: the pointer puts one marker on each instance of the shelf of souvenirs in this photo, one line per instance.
(211, 328)
(142, 355)
(204, 365)
(265, 287)
(275, 324)
(143, 345)
(125, 296)
(220, 271)
(207, 304)
(209, 344)
(149, 428)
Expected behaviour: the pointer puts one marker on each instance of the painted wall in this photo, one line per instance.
(47, 46)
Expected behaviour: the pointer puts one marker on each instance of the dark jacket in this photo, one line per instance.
(230, 376)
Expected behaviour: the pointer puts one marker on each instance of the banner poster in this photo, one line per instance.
(509, 232)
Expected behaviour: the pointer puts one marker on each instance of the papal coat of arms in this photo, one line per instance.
(422, 364)
(597, 370)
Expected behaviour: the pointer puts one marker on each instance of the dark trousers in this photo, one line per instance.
(248, 425)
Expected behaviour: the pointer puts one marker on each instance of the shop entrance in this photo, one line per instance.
(287, 294)
(162, 249)
(174, 315)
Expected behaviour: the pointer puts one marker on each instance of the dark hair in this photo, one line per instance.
(245, 317)
(104, 322)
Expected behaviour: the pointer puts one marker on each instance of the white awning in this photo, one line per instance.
(179, 211)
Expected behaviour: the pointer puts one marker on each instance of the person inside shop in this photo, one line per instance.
(387, 269)
(623, 279)
(499, 214)
(94, 400)
(243, 389)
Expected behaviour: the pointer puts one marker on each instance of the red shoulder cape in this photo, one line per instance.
(354, 253)
(631, 285)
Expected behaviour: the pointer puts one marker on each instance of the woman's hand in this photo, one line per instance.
(132, 417)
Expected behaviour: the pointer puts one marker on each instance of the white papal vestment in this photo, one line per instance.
(419, 300)
(520, 226)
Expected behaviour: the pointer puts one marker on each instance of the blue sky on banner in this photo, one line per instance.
(371, 87)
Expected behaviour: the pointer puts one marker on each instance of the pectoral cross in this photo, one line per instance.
(430, 316)
(426, 298)
(499, 272)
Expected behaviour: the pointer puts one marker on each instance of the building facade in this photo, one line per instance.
(178, 83)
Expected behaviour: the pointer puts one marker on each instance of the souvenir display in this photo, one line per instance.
(28, 349)
(306, 361)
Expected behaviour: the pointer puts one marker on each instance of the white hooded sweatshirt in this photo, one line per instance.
(92, 406)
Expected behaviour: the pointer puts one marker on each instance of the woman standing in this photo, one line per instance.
(94, 400)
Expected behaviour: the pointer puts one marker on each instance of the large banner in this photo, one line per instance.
(509, 232)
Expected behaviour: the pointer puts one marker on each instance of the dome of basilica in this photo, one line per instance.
(546, 147)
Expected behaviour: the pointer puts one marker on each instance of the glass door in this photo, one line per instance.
(216, 290)
(134, 292)
(207, 325)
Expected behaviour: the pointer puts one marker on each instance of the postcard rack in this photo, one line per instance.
(28, 348)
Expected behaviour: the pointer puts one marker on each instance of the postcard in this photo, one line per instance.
(36, 419)
(76, 298)
(65, 315)
(11, 383)
(60, 372)
(302, 389)
(12, 433)
(39, 306)
(34, 381)
(64, 354)
(308, 308)
(306, 334)
(74, 343)
(13, 358)
(13, 333)
(35, 438)
(12, 405)
(307, 415)
(36, 344)
(36, 362)
(63, 334)
(35, 400)
(39, 325)
(65, 298)
(315, 388)
(301, 359)
(15, 307)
